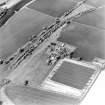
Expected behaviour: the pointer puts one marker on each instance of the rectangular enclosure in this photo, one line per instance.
(73, 75)
(71, 78)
